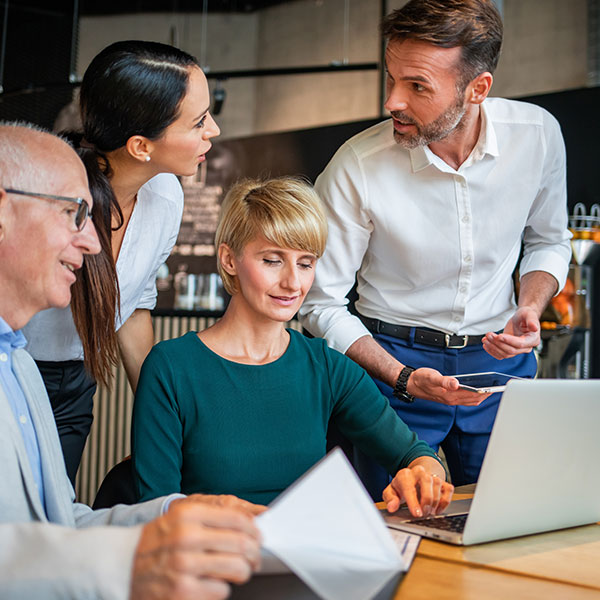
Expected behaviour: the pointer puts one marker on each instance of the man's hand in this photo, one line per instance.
(193, 551)
(521, 335)
(423, 383)
(225, 501)
(424, 489)
(432, 385)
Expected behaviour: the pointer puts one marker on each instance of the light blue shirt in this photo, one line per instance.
(9, 341)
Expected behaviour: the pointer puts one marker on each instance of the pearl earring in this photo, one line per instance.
(147, 159)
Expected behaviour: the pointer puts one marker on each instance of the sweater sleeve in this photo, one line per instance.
(366, 418)
(156, 429)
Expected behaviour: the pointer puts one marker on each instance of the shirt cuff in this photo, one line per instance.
(345, 332)
(168, 500)
(549, 262)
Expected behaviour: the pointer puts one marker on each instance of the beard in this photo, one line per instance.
(449, 121)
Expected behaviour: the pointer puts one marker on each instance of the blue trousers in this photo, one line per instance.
(462, 431)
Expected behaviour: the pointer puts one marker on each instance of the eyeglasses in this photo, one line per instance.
(83, 208)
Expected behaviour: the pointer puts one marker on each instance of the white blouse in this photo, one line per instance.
(149, 239)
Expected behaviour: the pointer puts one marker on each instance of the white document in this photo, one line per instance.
(326, 529)
(407, 544)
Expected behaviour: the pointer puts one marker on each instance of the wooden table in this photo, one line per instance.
(560, 565)
(557, 565)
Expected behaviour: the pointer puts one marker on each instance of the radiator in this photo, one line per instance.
(109, 439)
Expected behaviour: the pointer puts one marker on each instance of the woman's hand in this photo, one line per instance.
(422, 486)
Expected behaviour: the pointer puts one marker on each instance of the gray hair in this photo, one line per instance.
(18, 169)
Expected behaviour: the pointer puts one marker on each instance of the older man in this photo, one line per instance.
(51, 547)
(431, 210)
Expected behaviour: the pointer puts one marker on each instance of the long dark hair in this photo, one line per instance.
(130, 88)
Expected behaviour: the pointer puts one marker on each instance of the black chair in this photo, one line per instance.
(117, 487)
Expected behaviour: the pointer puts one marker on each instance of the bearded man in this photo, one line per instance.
(430, 212)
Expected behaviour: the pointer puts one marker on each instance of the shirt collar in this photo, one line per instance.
(487, 143)
(9, 339)
(419, 158)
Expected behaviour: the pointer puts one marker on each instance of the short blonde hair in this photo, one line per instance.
(286, 211)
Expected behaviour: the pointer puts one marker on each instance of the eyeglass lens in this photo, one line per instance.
(81, 215)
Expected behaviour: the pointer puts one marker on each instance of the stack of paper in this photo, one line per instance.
(326, 529)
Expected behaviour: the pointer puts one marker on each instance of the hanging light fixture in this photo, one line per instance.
(219, 95)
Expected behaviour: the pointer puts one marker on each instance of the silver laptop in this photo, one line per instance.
(541, 470)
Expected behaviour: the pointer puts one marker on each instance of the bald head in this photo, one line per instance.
(41, 246)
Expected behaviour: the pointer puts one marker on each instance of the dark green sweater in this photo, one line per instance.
(205, 424)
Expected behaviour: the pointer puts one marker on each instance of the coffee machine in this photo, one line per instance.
(567, 322)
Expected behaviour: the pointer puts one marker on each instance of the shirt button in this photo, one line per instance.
(23, 419)
(465, 219)
(3, 357)
(456, 319)
(463, 290)
(467, 258)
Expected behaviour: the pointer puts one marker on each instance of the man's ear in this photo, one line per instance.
(478, 89)
(227, 259)
(139, 147)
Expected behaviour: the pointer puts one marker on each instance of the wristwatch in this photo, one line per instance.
(400, 390)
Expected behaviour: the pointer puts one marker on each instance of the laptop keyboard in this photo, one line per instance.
(454, 523)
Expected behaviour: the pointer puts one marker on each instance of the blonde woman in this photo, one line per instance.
(243, 407)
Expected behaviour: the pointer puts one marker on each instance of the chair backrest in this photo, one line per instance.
(117, 487)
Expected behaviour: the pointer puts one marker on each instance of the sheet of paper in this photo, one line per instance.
(326, 529)
(407, 544)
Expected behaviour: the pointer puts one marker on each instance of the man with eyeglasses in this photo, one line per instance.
(50, 546)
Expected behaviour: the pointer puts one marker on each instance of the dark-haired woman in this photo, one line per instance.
(145, 113)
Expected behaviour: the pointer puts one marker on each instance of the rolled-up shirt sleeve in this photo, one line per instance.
(546, 239)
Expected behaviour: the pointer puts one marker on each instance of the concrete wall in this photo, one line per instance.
(545, 50)
(231, 44)
(545, 47)
(306, 32)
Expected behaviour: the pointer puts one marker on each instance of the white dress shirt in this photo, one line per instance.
(149, 239)
(433, 246)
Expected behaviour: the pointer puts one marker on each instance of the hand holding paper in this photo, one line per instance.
(341, 550)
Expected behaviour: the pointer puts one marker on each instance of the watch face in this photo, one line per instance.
(406, 397)
(403, 395)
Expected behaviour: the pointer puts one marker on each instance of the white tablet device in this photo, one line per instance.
(484, 383)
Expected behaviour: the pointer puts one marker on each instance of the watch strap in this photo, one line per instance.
(400, 390)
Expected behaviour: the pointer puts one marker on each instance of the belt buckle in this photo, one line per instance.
(463, 345)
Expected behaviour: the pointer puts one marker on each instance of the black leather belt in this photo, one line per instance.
(422, 335)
